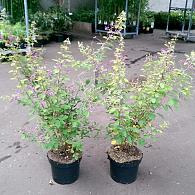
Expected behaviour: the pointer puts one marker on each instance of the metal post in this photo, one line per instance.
(190, 19)
(26, 18)
(170, 3)
(184, 15)
(69, 7)
(138, 17)
(12, 8)
(126, 11)
(96, 10)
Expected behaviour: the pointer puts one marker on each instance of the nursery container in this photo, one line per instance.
(124, 173)
(64, 173)
(60, 37)
(148, 30)
(2, 45)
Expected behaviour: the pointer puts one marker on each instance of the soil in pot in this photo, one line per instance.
(65, 170)
(124, 163)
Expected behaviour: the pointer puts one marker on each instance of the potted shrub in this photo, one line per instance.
(83, 20)
(61, 23)
(60, 109)
(134, 106)
(147, 23)
(52, 24)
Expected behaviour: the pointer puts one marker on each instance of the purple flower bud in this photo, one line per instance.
(49, 73)
(49, 92)
(164, 51)
(11, 38)
(1, 37)
(43, 104)
(107, 28)
(15, 97)
(58, 65)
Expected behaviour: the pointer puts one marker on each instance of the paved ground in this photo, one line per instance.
(168, 166)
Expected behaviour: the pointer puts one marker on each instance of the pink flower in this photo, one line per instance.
(49, 92)
(43, 104)
(164, 51)
(58, 65)
(49, 73)
(1, 37)
(11, 38)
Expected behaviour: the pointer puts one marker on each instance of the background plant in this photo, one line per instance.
(110, 9)
(175, 20)
(55, 19)
(9, 32)
(84, 15)
(18, 16)
(147, 19)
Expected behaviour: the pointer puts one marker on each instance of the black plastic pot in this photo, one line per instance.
(2, 45)
(147, 30)
(101, 27)
(22, 45)
(124, 173)
(131, 28)
(65, 173)
(59, 37)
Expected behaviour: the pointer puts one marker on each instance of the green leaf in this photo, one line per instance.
(124, 133)
(173, 102)
(112, 110)
(87, 81)
(162, 85)
(142, 122)
(152, 116)
(153, 100)
(142, 142)
(58, 123)
(166, 107)
(119, 139)
(129, 140)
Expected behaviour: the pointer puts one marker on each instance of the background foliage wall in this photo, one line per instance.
(18, 8)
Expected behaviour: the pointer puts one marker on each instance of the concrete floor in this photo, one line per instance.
(168, 166)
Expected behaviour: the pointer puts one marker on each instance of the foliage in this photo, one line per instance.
(54, 19)
(84, 15)
(175, 21)
(135, 106)
(18, 16)
(147, 19)
(110, 9)
(60, 107)
(9, 33)
(62, 22)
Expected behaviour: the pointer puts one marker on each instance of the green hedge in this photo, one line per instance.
(18, 9)
(84, 15)
(175, 20)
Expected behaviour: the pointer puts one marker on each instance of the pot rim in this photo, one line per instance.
(130, 162)
(126, 163)
(63, 164)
